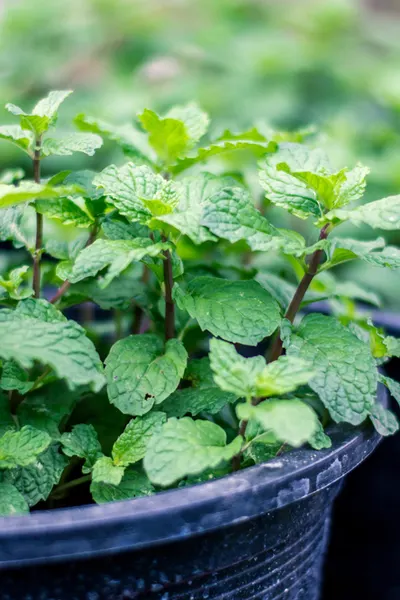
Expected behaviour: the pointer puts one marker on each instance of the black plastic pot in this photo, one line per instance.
(260, 533)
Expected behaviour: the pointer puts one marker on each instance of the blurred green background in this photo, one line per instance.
(334, 64)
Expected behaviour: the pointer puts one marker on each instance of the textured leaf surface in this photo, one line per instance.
(27, 191)
(20, 448)
(346, 379)
(87, 143)
(291, 421)
(117, 255)
(385, 422)
(131, 445)
(15, 134)
(283, 376)
(196, 121)
(66, 210)
(186, 447)
(142, 372)
(133, 484)
(237, 311)
(13, 377)
(381, 214)
(28, 337)
(12, 501)
(319, 440)
(44, 113)
(340, 250)
(392, 385)
(105, 471)
(168, 136)
(82, 441)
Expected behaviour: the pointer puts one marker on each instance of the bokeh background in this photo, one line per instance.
(330, 64)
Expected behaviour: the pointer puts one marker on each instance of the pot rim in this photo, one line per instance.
(72, 533)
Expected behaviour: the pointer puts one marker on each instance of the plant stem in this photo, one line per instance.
(65, 286)
(70, 484)
(39, 224)
(169, 303)
(297, 299)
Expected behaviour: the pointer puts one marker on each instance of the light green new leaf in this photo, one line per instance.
(186, 447)
(105, 471)
(141, 372)
(28, 190)
(43, 115)
(133, 484)
(20, 448)
(131, 445)
(12, 284)
(87, 143)
(28, 336)
(11, 175)
(237, 311)
(82, 441)
(384, 421)
(66, 210)
(36, 481)
(291, 421)
(18, 136)
(196, 121)
(346, 379)
(169, 137)
(12, 501)
(381, 214)
(283, 376)
(126, 187)
(230, 214)
(117, 255)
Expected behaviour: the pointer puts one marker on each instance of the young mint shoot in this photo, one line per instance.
(172, 244)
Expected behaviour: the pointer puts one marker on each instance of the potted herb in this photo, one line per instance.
(226, 467)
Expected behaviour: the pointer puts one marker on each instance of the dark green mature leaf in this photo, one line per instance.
(133, 484)
(385, 422)
(392, 385)
(141, 372)
(131, 445)
(12, 501)
(291, 421)
(319, 440)
(237, 311)
(20, 448)
(117, 255)
(230, 214)
(87, 143)
(105, 471)
(36, 481)
(82, 441)
(14, 377)
(346, 378)
(66, 210)
(43, 334)
(187, 447)
(44, 113)
(381, 214)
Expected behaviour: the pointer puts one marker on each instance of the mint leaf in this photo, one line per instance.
(27, 191)
(393, 345)
(87, 143)
(43, 115)
(340, 250)
(117, 255)
(384, 421)
(120, 229)
(12, 284)
(133, 484)
(82, 441)
(20, 448)
(61, 344)
(141, 372)
(237, 311)
(18, 136)
(392, 385)
(230, 214)
(10, 225)
(283, 376)
(12, 501)
(186, 447)
(346, 378)
(131, 445)
(11, 175)
(196, 121)
(127, 187)
(66, 210)
(105, 471)
(319, 440)
(381, 214)
(14, 377)
(291, 421)
(36, 481)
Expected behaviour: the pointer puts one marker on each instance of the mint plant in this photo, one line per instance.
(190, 272)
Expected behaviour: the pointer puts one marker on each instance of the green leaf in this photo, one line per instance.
(319, 440)
(133, 142)
(283, 376)
(43, 115)
(36, 481)
(237, 311)
(346, 378)
(105, 471)
(10, 225)
(186, 447)
(18, 136)
(196, 121)
(66, 210)
(13, 377)
(127, 187)
(120, 229)
(82, 441)
(133, 484)
(131, 445)
(117, 255)
(11, 175)
(87, 143)
(12, 501)
(230, 214)
(28, 337)
(12, 284)
(340, 250)
(392, 385)
(141, 372)
(393, 345)
(20, 448)
(28, 190)
(381, 214)
(384, 421)
(291, 421)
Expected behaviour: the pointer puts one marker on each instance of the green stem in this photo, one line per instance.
(39, 224)
(169, 303)
(70, 484)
